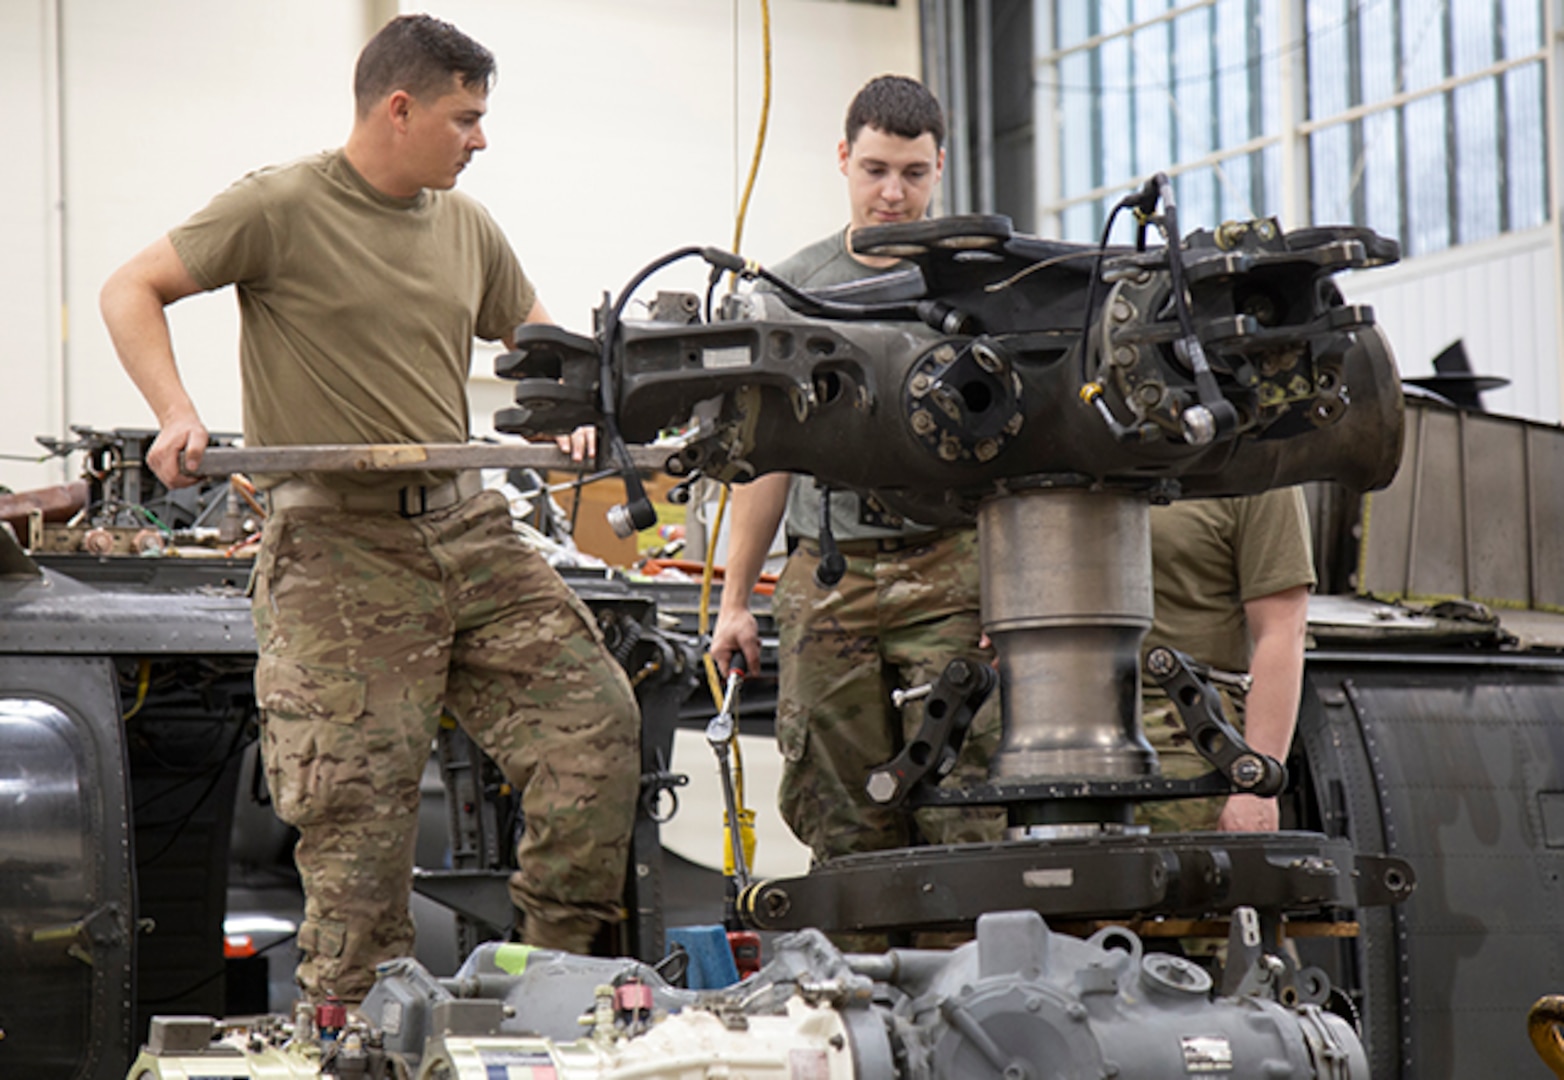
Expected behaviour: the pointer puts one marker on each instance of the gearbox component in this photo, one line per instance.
(1020, 1002)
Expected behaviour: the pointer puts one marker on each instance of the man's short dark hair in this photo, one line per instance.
(419, 54)
(896, 105)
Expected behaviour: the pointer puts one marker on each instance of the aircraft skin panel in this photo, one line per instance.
(65, 880)
(1468, 764)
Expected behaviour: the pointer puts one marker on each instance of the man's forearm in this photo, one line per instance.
(132, 304)
(1271, 707)
(1279, 625)
(754, 513)
(150, 365)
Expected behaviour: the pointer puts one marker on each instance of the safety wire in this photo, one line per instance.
(708, 569)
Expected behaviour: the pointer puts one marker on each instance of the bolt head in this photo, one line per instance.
(881, 786)
(1159, 662)
(1247, 771)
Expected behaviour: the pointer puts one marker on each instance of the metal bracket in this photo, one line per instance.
(931, 754)
(1218, 742)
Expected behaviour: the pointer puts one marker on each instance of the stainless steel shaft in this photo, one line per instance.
(1067, 601)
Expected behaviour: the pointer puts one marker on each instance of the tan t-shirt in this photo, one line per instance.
(358, 310)
(1209, 556)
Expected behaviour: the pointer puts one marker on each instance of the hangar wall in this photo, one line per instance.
(30, 228)
(1499, 296)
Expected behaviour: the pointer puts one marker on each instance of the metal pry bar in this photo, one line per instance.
(402, 457)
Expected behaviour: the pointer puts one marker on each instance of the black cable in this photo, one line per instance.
(809, 304)
(575, 502)
(832, 566)
(1220, 412)
(218, 974)
(1170, 236)
(191, 773)
(236, 747)
(712, 281)
(638, 506)
(933, 313)
(1129, 202)
(147, 746)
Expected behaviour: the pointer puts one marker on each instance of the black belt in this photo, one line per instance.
(872, 545)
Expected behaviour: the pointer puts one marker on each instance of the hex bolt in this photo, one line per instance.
(1159, 661)
(881, 786)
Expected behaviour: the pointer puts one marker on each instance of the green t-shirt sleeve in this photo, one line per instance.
(1271, 543)
(508, 295)
(229, 240)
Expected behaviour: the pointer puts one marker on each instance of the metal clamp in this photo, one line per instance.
(1200, 708)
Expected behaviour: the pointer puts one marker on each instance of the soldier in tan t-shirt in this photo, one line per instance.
(1232, 579)
(381, 604)
(908, 600)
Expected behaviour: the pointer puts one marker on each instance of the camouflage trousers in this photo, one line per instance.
(894, 620)
(369, 627)
(1181, 761)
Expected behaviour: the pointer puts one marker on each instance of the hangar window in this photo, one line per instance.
(1422, 120)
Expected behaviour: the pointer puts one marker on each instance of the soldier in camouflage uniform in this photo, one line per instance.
(382, 601)
(908, 603)
(1231, 579)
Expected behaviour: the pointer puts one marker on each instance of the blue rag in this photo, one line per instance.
(711, 960)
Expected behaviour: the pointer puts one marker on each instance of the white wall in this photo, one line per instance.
(1498, 296)
(619, 129)
(165, 105)
(29, 302)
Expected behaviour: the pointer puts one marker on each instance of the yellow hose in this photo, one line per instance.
(143, 681)
(703, 618)
(760, 132)
(713, 678)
